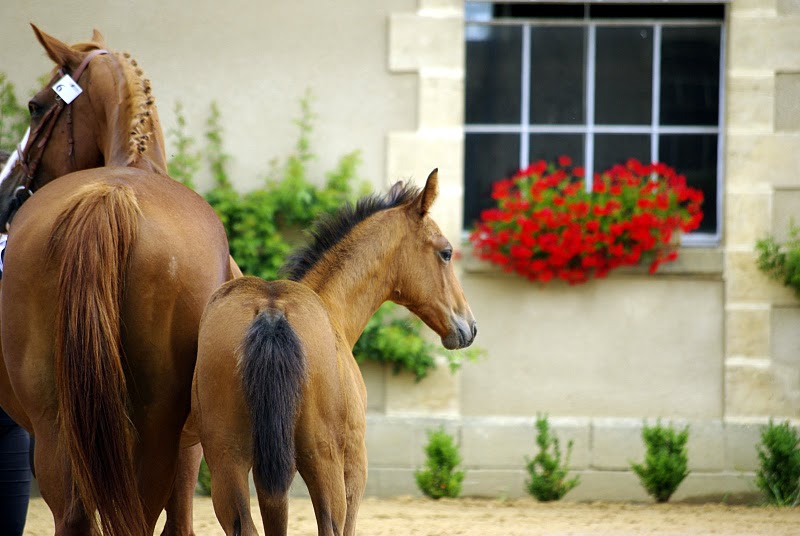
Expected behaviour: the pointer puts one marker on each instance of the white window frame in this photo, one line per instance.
(589, 128)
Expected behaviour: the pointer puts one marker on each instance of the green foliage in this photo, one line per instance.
(204, 479)
(778, 476)
(440, 477)
(264, 225)
(186, 161)
(396, 339)
(389, 338)
(666, 460)
(781, 261)
(215, 153)
(13, 116)
(549, 480)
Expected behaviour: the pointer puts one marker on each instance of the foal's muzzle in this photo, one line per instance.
(462, 333)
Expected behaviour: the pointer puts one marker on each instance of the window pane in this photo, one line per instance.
(695, 155)
(557, 75)
(610, 149)
(550, 146)
(487, 158)
(493, 74)
(624, 75)
(690, 76)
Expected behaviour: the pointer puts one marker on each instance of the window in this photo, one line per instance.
(600, 83)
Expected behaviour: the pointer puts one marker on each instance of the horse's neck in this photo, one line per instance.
(360, 281)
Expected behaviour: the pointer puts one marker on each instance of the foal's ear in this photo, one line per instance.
(98, 38)
(395, 190)
(61, 53)
(429, 193)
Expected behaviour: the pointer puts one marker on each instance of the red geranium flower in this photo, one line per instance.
(547, 225)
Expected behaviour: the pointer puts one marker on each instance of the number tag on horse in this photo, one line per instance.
(67, 89)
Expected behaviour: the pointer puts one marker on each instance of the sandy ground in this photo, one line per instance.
(411, 516)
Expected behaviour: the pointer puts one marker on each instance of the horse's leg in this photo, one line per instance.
(225, 433)
(55, 484)
(274, 512)
(230, 492)
(355, 480)
(320, 462)
(179, 507)
(8, 400)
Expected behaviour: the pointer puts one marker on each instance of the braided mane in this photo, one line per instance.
(140, 106)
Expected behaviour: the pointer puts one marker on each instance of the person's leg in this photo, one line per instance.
(15, 476)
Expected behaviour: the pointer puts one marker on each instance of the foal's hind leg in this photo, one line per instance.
(322, 468)
(230, 493)
(274, 512)
(355, 478)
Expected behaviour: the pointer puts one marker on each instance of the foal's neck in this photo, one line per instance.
(357, 275)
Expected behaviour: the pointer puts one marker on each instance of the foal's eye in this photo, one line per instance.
(34, 109)
(446, 254)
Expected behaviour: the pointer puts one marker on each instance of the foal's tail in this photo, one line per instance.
(93, 239)
(273, 370)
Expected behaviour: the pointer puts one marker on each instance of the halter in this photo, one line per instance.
(29, 166)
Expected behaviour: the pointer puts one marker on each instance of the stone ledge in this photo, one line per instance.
(691, 261)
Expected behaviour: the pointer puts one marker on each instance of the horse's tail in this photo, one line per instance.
(273, 372)
(93, 238)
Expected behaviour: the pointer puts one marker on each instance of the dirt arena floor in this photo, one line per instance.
(411, 516)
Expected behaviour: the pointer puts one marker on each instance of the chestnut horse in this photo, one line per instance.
(107, 272)
(276, 387)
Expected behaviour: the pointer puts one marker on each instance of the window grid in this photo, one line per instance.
(589, 129)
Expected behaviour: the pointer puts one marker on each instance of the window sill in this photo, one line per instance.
(700, 262)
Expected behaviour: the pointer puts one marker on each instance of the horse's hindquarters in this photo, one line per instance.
(153, 297)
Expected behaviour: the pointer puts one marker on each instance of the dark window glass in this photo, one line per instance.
(539, 11)
(690, 76)
(557, 75)
(494, 64)
(695, 155)
(610, 149)
(624, 75)
(550, 146)
(657, 11)
(487, 158)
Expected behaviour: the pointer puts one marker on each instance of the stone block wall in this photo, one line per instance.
(762, 194)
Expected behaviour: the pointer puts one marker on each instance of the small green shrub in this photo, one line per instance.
(13, 116)
(778, 476)
(548, 476)
(781, 261)
(204, 479)
(666, 460)
(440, 478)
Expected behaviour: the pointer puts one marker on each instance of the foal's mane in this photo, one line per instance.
(140, 105)
(330, 229)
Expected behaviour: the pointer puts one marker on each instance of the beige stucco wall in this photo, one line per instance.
(256, 59)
